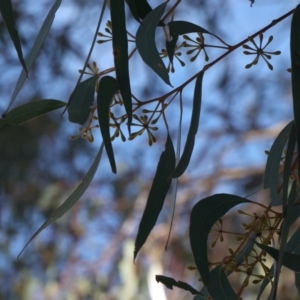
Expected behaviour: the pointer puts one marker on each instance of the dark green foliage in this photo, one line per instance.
(183, 27)
(160, 186)
(81, 100)
(8, 17)
(203, 216)
(30, 110)
(108, 87)
(120, 51)
(145, 43)
(190, 141)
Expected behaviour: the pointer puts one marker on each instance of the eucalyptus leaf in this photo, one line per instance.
(190, 141)
(108, 87)
(81, 100)
(30, 110)
(295, 63)
(120, 50)
(145, 42)
(160, 186)
(273, 163)
(74, 197)
(204, 215)
(35, 49)
(290, 260)
(183, 27)
(170, 283)
(8, 17)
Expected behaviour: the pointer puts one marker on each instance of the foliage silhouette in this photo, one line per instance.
(114, 93)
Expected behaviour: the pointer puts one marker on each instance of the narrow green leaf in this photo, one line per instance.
(35, 49)
(214, 274)
(120, 50)
(297, 275)
(108, 87)
(139, 8)
(170, 282)
(204, 215)
(273, 163)
(170, 47)
(183, 27)
(30, 110)
(293, 245)
(284, 231)
(80, 101)
(72, 199)
(145, 43)
(295, 63)
(220, 288)
(290, 260)
(160, 186)
(190, 141)
(8, 17)
(287, 165)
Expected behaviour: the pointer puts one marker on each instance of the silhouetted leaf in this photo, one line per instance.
(290, 260)
(108, 87)
(183, 27)
(215, 273)
(8, 17)
(170, 282)
(145, 43)
(35, 49)
(204, 215)
(30, 110)
(273, 163)
(170, 47)
(120, 50)
(160, 186)
(295, 62)
(220, 288)
(80, 101)
(139, 9)
(190, 141)
(74, 197)
(293, 245)
(284, 230)
(287, 165)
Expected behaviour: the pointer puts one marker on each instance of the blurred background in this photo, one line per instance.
(88, 253)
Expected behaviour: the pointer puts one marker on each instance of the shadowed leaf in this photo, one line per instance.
(204, 215)
(170, 47)
(30, 110)
(145, 43)
(190, 141)
(80, 101)
(295, 62)
(74, 197)
(290, 260)
(8, 17)
(170, 282)
(35, 49)
(273, 163)
(140, 9)
(160, 186)
(183, 27)
(108, 87)
(120, 50)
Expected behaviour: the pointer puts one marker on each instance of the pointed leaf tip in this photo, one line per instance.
(190, 141)
(108, 87)
(80, 101)
(204, 215)
(145, 43)
(72, 199)
(160, 186)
